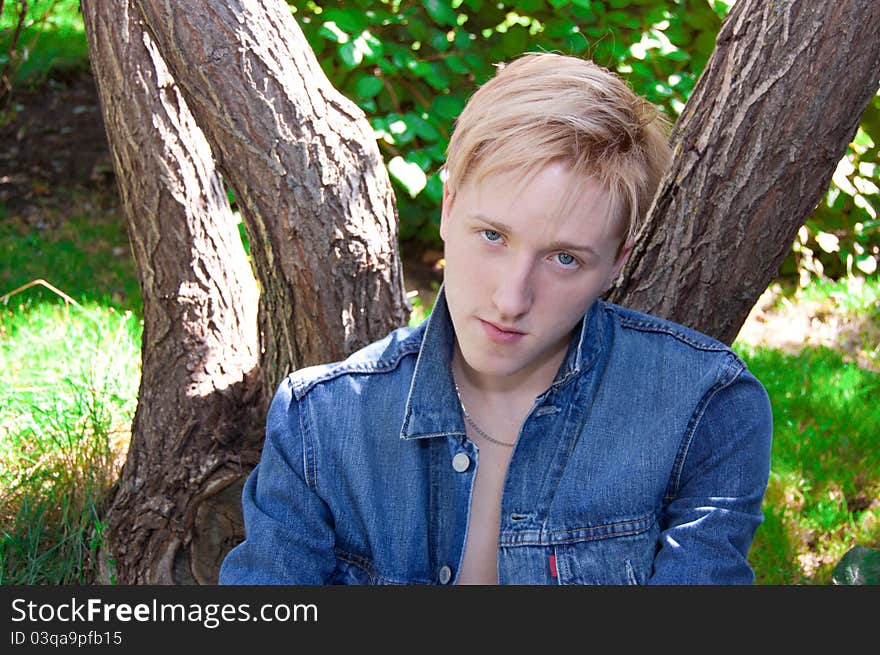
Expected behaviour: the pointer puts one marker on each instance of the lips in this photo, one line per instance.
(499, 334)
(502, 328)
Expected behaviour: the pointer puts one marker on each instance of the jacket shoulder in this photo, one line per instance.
(381, 356)
(632, 320)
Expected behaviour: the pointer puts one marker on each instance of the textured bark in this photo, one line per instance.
(305, 168)
(197, 425)
(755, 149)
(319, 211)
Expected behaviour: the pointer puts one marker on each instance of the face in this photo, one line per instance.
(519, 277)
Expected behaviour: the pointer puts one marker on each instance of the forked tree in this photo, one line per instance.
(199, 95)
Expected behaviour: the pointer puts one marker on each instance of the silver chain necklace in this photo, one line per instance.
(477, 427)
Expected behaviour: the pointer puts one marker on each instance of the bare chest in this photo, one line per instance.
(480, 562)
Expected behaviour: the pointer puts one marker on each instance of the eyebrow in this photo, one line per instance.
(556, 245)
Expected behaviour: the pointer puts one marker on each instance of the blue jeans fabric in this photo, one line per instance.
(644, 462)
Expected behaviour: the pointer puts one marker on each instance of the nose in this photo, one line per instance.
(514, 290)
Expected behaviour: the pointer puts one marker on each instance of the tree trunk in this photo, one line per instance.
(197, 426)
(319, 213)
(305, 168)
(318, 207)
(755, 149)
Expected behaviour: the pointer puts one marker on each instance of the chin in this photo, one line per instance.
(487, 364)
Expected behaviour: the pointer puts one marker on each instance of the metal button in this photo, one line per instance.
(445, 574)
(461, 462)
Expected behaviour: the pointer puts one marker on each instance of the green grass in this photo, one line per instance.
(67, 398)
(824, 492)
(52, 41)
(71, 371)
(81, 248)
(69, 385)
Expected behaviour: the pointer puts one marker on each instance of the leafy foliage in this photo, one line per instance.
(412, 65)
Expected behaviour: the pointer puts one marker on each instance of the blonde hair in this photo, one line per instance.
(545, 108)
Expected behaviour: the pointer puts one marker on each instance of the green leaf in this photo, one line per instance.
(400, 129)
(456, 65)
(439, 41)
(437, 77)
(462, 39)
(350, 20)
(559, 27)
(410, 175)
(437, 150)
(350, 54)
(422, 128)
(447, 106)
(434, 188)
(515, 41)
(331, 31)
(529, 6)
(368, 86)
(441, 12)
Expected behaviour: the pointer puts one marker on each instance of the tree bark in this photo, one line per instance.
(755, 149)
(319, 212)
(305, 168)
(197, 424)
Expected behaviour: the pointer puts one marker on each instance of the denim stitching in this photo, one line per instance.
(303, 387)
(366, 565)
(593, 533)
(645, 325)
(310, 457)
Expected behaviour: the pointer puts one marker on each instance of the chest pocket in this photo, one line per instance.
(618, 553)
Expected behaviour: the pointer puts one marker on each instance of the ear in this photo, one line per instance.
(445, 210)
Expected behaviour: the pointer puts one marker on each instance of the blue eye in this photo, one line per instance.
(491, 235)
(565, 259)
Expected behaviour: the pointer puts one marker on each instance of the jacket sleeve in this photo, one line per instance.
(289, 534)
(714, 497)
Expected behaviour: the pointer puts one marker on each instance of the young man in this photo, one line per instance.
(527, 432)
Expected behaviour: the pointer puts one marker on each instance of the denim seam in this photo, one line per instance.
(643, 325)
(310, 456)
(593, 533)
(301, 388)
(732, 371)
(366, 565)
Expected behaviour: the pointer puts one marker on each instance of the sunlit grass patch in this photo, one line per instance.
(823, 497)
(67, 398)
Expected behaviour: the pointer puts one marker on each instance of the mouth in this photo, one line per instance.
(499, 334)
(502, 328)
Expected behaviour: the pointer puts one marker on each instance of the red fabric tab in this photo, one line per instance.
(553, 572)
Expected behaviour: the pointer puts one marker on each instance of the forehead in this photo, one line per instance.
(552, 200)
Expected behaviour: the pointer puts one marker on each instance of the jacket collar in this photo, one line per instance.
(432, 407)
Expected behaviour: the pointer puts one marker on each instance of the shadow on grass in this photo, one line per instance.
(81, 248)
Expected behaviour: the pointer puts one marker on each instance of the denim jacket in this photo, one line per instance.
(645, 461)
